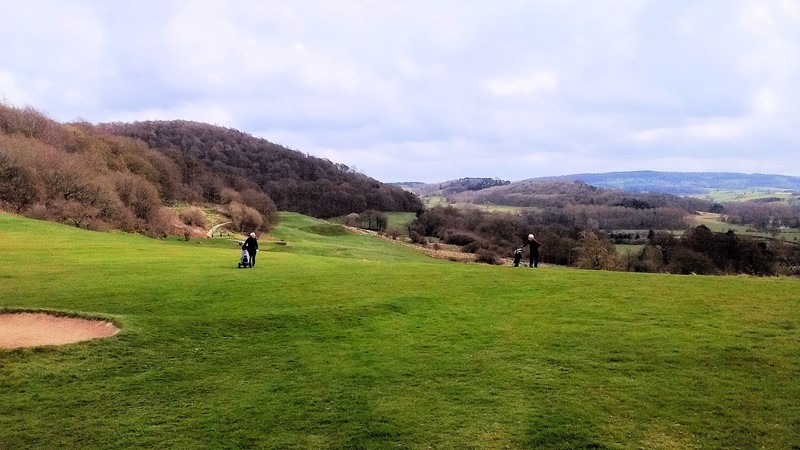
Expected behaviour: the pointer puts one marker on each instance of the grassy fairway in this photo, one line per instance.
(345, 341)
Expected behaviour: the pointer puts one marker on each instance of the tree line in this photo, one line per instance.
(570, 237)
(763, 216)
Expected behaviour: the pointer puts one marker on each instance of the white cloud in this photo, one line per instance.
(523, 85)
(432, 90)
(717, 128)
(10, 91)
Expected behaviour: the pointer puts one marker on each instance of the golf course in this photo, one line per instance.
(342, 340)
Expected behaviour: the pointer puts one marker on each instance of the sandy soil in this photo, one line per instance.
(35, 329)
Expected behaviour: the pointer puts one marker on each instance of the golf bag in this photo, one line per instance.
(517, 256)
(244, 261)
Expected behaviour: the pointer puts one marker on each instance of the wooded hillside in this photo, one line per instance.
(295, 181)
(123, 176)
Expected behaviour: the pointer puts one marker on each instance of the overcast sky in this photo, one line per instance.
(433, 90)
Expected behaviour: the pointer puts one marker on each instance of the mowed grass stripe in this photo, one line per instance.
(338, 340)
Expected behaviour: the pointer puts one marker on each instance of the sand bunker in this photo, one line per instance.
(35, 329)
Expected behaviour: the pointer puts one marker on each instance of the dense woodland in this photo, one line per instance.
(295, 181)
(96, 177)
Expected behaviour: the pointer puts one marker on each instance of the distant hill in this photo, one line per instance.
(563, 193)
(681, 183)
(451, 187)
(295, 181)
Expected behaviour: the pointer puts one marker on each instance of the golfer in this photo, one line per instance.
(533, 245)
(251, 245)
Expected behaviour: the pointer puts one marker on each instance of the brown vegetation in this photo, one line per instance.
(293, 180)
(121, 176)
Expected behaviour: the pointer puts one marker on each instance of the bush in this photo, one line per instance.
(228, 195)
(352, 220)
(417, 238)
(595, 253)
(487, 256)
(459, 237)
(245, 219)
(686, 261)
(650, 259)
(194, 217)
(394, 231)
(164, 222)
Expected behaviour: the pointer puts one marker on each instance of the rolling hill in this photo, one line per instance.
(682, 183)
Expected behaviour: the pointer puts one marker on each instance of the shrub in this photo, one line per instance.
(650, 259)
(417, 238)
(394, 231)
(245, 219)
(194, 217)
(262, 203)
(686, 261)
(459, 237)
(595, 253)
(228, 195)
(164, 222)
(352, 220)
(487, 256)
(39, 211)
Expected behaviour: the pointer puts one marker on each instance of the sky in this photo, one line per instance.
(433, 90)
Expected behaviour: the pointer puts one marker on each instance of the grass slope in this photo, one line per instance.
(345, 341)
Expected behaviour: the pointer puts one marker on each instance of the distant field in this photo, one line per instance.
(442, 201)
(432, 201)
(624, 249)
(720, 195)
(401, 218)
(714, 223)
(340, 340)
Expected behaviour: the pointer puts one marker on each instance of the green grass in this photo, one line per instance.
(744, 195)
(400, 218)
(337, 340)
(714, 223)
(624, 249)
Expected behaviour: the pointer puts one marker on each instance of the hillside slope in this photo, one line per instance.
(295, 181)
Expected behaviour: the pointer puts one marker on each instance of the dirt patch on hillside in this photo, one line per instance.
(36, 329)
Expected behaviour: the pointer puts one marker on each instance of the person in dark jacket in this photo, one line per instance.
(533, 245)
(251, 245)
